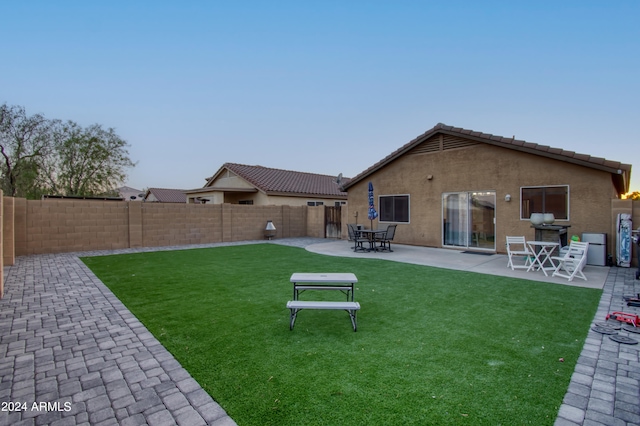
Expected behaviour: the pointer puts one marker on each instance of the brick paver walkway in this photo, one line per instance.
(66, 340)
(605, 386)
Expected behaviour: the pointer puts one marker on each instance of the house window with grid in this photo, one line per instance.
(394, 208)
(545, 199)
(315, 203)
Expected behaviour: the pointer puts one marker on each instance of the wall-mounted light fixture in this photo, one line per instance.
(429, 177)
(507, 197)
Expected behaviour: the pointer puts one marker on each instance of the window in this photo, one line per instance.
(315, 203)
(250, 202)
(394, 208)
(545, 199)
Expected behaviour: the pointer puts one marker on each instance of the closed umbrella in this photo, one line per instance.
(372, 210)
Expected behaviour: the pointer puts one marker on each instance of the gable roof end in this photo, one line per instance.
(165, 195)
(620, 172)
(283, 182)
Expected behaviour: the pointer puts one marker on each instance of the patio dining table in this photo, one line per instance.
(373, 235)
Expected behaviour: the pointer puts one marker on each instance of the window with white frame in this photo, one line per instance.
(394, 208)
(545, 199)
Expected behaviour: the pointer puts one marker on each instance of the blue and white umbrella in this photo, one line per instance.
(372, 210)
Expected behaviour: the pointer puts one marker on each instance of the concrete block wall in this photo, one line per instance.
(248, 222)
(8, 238)
(56, 226)
(164, 224)
(316, 216)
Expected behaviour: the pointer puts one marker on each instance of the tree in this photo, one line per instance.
(633, 196)
(41, 156)
(87, 161)
(24, 141)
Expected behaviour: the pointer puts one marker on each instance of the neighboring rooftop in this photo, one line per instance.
(130, 194)
(165, 195)
(621, 172)
(277, 181)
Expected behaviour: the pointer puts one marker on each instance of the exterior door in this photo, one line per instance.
(332, 222)
(469, 219)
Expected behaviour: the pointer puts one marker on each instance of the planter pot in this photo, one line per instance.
(537, 219)
(549, 218)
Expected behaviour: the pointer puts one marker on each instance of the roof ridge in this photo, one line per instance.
(275, 168)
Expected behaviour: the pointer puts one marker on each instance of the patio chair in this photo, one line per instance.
(357, 239)
(570, 265)
(387, 237)
(517, 249)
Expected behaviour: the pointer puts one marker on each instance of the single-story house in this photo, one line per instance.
(457, 188)
(258, 185)
(165, 195)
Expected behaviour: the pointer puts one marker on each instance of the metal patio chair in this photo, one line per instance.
(385, 241)
(356, 237)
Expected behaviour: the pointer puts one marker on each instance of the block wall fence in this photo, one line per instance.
(57, 226)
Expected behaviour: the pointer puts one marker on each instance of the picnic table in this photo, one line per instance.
(336, 281)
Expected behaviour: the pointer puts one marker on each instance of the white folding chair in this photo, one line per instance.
(517, 248)
(570, 265)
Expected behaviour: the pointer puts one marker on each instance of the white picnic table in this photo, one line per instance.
(337, 281)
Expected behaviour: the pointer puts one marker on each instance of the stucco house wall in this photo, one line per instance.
(261, 199)
(425, 175)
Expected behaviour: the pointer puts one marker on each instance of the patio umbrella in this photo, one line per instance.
(372, 210)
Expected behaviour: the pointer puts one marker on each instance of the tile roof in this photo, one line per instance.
(616, 168)
(164, 195)
(276, 181)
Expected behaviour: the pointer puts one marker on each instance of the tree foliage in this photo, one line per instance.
(633, 196)
(51, 157)
(24, 141)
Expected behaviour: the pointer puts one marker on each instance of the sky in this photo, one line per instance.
(325, 86)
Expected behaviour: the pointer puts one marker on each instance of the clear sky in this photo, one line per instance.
(324, 86)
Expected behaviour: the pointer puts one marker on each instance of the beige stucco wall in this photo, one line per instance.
(260, 198)
(483, 167)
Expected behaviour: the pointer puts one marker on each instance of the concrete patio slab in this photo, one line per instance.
(480, 262)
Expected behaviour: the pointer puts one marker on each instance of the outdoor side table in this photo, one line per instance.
(542, 251)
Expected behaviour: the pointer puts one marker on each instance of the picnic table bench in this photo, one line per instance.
(343, 282)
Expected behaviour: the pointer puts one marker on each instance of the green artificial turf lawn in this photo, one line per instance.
(433, 346)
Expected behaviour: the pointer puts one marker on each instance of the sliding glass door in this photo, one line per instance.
(469, 219)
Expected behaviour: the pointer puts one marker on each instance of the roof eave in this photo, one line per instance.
(216, 189)
(390, 158)
(305, 195)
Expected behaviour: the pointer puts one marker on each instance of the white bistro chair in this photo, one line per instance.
(517, 249)
(570, 265)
